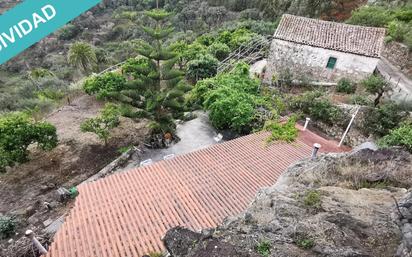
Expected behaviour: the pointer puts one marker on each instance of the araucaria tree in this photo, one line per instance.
(157, 74)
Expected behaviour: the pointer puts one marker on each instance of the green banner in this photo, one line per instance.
(32, 20)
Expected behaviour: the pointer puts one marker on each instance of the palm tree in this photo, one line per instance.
(82, 56)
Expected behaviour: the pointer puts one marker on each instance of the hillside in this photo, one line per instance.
(126, 77)
(338, 205)
(114, 27)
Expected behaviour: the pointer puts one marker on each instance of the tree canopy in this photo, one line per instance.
(18, 131)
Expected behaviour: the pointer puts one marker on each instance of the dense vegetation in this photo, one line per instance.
(18, 131)
(401, 136)
(109, 35)
(317, 106)
(397, 19)
(235, 101)
(166, 55)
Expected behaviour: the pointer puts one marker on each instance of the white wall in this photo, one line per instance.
(310, 62)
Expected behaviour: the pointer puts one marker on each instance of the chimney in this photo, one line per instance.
(316, 148)
(36, 243)
(306, 124)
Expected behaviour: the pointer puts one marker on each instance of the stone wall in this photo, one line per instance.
(307, 62)
(403, 218)
(400, 56)
(354, 137)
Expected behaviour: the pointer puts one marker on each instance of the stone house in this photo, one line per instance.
(323, 51)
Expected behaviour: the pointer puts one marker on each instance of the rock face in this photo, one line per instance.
(338, 205)
(400, 56)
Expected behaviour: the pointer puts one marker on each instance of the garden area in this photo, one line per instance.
(168, 69)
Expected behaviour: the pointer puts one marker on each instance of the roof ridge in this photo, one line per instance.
(331, 35)
(334, 22)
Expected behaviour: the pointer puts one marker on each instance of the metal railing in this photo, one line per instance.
(249, 52)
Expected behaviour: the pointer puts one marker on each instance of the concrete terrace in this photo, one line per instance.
(126, 214)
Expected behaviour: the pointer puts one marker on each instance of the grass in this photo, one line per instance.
(312, 199)
(305, 243)
(7, 227)
(124, 149)
(263, 248)
(376, 185)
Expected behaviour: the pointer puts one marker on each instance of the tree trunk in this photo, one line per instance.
(378, 99)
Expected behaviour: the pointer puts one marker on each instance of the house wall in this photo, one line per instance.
(307, 62)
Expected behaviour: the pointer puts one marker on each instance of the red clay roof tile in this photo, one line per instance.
(126, 214)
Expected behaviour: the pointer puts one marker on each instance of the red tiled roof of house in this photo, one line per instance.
(342, 37)
(126, 214)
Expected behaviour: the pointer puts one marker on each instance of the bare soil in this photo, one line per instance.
(25, 188)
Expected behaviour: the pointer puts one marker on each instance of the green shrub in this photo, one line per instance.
(408, 40)
(40, 73)
(401, 136)
(260, 27)
(396, 19)
(312, 199)
(398, 29)
(238, 79)
(230, 108)
(105, 86)
(263, 248)
(102, 124)
(304, 102)
(346, 86)
(282, 131)
(325, 111)
(51, 94)
(376, 85)
(124, 149)
(68, 32)
(187, 52)
(219, 50)
(7, 227)
(360, 100)
(234, 39)
(203, 67)
(380, 121)
(373, 16)
(18, 131)
(305, 243)
(206, 39)
(232, 99)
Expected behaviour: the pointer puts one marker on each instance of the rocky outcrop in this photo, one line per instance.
(338, 205)
(400, 56)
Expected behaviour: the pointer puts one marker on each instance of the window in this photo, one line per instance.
(331, 63)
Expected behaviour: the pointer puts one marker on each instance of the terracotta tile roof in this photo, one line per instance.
(126, 214)
(341, 37)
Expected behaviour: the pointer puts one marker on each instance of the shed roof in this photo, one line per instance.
(367, 41)
(126, 214)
